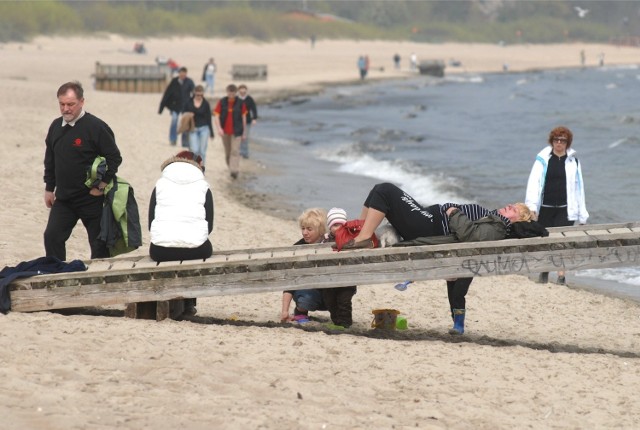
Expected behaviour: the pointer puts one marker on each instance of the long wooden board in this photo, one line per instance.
(138, 279)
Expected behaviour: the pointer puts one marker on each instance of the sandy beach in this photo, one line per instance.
(533, 356)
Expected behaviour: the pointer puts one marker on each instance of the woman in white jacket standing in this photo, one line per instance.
(555, 190)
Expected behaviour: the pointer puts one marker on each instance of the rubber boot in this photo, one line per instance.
(458, 322)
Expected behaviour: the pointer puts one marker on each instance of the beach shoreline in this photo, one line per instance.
(533, 355)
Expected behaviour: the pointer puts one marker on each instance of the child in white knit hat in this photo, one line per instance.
(336, 218)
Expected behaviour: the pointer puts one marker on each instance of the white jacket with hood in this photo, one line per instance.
(180, 215)
(576, 207)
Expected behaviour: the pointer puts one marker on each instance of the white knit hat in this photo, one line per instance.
(336, 216)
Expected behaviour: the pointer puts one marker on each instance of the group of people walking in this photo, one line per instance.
(191, 116)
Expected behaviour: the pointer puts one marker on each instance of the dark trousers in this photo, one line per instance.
(165, 253)
(64, 216)
(456, 291)
(410, 218)
(554, 217)
(338, 302)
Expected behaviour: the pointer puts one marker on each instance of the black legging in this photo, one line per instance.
(408, 217)
(457, 290)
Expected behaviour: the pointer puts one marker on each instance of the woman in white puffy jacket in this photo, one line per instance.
(181, 214)
(555, 190)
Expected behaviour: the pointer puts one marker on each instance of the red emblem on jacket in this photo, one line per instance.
(77, 142)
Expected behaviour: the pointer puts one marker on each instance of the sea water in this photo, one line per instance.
(463, 138)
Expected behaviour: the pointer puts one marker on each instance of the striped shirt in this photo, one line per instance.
(472, 211)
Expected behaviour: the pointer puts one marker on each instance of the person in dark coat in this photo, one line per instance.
(252, 118)
(73, 142)
(175, 98)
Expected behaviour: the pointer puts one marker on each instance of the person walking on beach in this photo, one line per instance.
(209, 75)
(413, 61)
(199, 138)
(555, 189)
(362, 67)
(181, 214)
(252, 118)
(175, 98)
(230, 115)
(396, 61)
(73, 142)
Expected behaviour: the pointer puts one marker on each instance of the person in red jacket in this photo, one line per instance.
(230, 115)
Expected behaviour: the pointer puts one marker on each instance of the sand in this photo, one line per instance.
(533, 356)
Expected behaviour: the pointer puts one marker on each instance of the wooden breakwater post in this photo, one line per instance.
(249, 72)
(432, 68)
(132, 78)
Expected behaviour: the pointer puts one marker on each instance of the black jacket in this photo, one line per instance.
(39, 266)
(238, 127)
(252, 110)
(176, 95)
(70, 153)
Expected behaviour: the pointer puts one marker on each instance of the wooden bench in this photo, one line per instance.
(249, 72)
(135, 280)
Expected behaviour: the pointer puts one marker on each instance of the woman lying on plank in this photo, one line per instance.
(436, 224)
(468, 222)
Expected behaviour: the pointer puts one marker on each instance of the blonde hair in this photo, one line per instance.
(524, 211)
(315, 218)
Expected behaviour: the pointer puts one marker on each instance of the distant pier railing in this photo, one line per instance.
(132, 78)
(249, 72)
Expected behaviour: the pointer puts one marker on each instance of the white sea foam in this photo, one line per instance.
(278, 141)
(424, 188)
(624, 275)
(472, 79)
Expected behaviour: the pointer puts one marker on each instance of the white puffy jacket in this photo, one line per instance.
(576, 207)
(180, 216)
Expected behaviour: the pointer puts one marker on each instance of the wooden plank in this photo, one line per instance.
(355, 271)
(139, 279)
(99, 265)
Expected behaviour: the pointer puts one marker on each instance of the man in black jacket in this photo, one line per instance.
(175, 98)
(252, 118)
(73, 142)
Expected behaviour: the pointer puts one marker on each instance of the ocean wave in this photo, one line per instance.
(280, 141)
(471, 79)
(623, 275)
(625, 141)
(424, 188)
